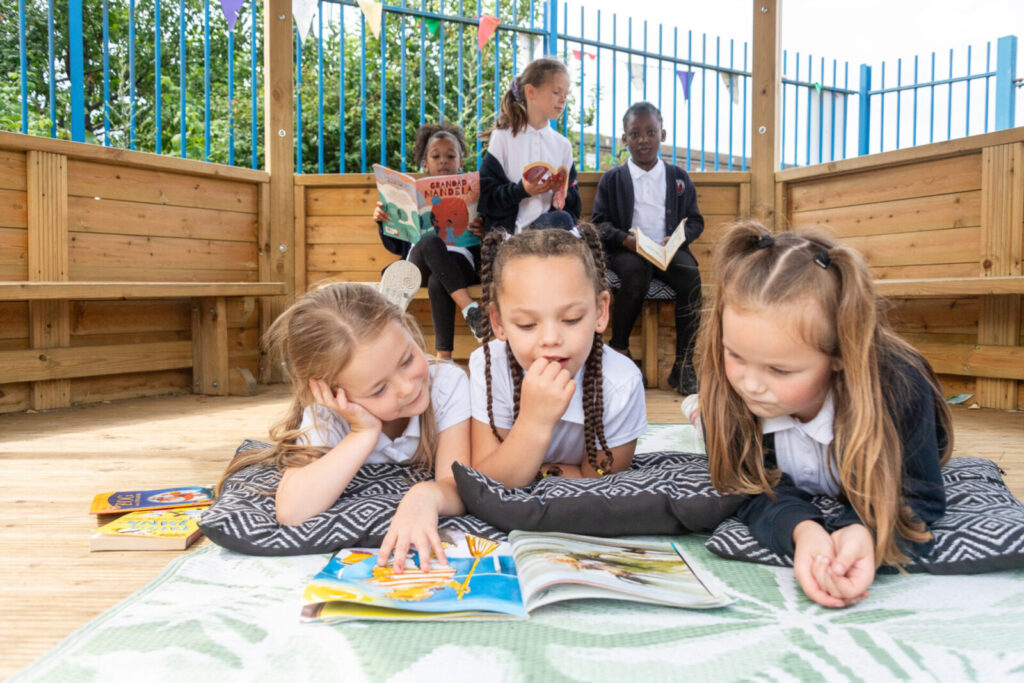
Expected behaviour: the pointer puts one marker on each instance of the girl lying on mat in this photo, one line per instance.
(364, 392)
(805, 390)
(549, 397)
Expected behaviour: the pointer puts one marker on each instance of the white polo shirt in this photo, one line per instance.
(514, 153)
(449, 397)
(801, 448)
(625, 412)
(649, 199)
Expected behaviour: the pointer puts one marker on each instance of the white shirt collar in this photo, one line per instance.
(657, 172)
(819, 428)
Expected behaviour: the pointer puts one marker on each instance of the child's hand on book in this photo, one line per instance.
(547, 183)
(414, 526)
(547, 390)
(379, 214)
(358, 417)
(477, 227)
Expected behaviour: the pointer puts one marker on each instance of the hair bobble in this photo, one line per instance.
(823, 259)
(764, 241)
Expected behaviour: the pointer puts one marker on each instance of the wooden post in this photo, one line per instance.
(765, 85)
(279, 138)
(49, 321)
(210, 373)
(1002, 253)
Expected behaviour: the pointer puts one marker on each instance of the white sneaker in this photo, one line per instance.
(399, 283)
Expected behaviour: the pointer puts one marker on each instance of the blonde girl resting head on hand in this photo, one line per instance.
(549, 397)
(805, 390)
(364, 392)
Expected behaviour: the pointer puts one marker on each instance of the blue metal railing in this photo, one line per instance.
(824, 115)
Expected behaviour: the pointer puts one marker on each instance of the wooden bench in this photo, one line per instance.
(206, 353)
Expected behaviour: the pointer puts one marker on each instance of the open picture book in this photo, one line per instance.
(660, 254)
(485, 579)
(540, 171)
(415, 206)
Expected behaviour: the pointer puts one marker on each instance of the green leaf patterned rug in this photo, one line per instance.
(216, 615)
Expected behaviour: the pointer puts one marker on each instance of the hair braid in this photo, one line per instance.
(517, 380)
(488, 251)
(593, 408)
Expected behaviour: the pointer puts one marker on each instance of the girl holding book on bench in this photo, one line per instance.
(549, 397)
(805, 390)
(364, 393)
(527, 175)
(652, 197)
(447, 270)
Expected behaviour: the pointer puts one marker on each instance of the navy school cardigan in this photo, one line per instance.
(500, 197)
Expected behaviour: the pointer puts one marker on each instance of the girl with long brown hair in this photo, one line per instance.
(549, 397)
(805, 390)
(364, 392)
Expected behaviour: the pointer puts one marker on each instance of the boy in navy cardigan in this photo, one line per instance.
(653, 196)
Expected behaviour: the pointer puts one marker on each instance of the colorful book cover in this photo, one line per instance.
(540, 171)
(150, 530)
(151, 499)
(444, 204)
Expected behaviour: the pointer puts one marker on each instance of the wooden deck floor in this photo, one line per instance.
(53, 463)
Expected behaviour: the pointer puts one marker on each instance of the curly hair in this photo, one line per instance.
(430, 131)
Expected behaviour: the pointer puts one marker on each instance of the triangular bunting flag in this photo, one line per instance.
(732, 83)
(488, 25)
(230, 9)
(372, 11)
(636, 80)
(579, 55)
(432, 25)
(303, 11)
(817, 86)
(685, 77)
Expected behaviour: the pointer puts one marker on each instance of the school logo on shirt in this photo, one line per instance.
(679, 186)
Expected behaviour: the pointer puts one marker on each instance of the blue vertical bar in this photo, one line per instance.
(846, 102)
(253, 89)
(967, 107)
(675, 93)
(949, 99)
(401, 87)
(735, 81)
(913, 132)
(497, 59)
(703, 117)
(645, 60)
(298, 101)
(743, 126)
(615, 78)
(441, 80)
(864, 110)
(565, 60)
(23, 63)
(362, 94)
(583, 147)
(807, 150)
(52, 67)
(320, 88)
(206, 80)
(552, 27)
(821, 110)
(931, 106)
(182, 65)
(159, 132)
(462, 97)
(597, 104)
(1006, 73)
(231, 98)
(131, 73)
(661, 51)
(718, 99)
(832, 117)
(76, 49)
(479, 91)
(796, 113)
(383, 91)
(423, 64)
(106, 76)
(341, 88)
(689, 100)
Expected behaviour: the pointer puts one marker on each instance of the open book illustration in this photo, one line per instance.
(446, 204)
(658, 254)
(539, 171)
(487, 580)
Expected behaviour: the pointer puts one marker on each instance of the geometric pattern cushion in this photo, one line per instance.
(657, 290)
(661, 493)
(982, 530)
(243, 517)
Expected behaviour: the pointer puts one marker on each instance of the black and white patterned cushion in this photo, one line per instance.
(982, 530)
(656, 290)
(661, 493)
(244, 518)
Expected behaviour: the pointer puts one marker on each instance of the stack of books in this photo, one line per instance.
(156, 519)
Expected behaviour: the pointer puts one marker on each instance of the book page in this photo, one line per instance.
(649, 249)
(675, 241)
(553, 567)
(397, 192)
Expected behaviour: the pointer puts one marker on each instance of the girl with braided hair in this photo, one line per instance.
(805, 390)
(548, 396)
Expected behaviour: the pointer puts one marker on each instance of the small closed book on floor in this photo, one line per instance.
(150, 530)
(660, 254)
(486, 580)
(116, 502)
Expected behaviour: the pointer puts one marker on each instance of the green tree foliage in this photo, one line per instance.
(467, 103)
